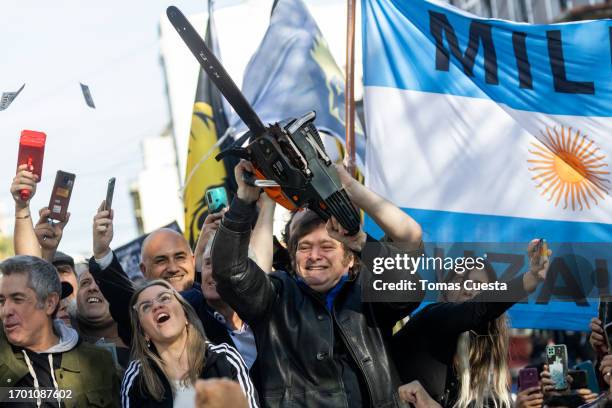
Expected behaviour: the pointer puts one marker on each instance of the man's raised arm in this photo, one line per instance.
(110, 277)
(24, 238)
(240, 282)
(403, 230)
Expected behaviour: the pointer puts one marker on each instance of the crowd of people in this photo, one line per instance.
(243, 321)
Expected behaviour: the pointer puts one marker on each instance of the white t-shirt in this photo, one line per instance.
(183, 396)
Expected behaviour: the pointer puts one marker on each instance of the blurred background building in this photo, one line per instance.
(537, 11)
(156, 192)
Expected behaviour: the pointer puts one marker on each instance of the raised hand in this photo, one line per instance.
(210, 226)
(538, 263)
(219, 393)
(345, 178)
(49, 234)
(245, 192)
(336, 231)
(530, 398)
(598, 339)
(538, 266)
(415, 394)
(23, 180)
(212, 222)
(102, 231)
(605, 367)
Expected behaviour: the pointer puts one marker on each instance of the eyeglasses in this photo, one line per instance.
(163, 299)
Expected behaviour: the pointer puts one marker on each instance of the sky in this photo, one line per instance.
(111, 46)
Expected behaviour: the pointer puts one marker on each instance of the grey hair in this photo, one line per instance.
(208, 248)
(80, 268)
(42, 276)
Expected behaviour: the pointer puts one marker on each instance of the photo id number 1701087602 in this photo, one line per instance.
(31, 394)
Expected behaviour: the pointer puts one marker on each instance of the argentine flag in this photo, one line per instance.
(486, 130)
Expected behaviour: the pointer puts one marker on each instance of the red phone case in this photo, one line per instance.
(32, 150)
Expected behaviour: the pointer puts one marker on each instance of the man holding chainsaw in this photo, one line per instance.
(320, 344)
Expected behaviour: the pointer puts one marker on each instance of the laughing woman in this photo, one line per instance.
(170, 352)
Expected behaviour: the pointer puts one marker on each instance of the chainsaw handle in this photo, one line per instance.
(249, 178)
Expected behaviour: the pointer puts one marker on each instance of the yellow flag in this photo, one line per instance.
(209, 173)
(208, 124)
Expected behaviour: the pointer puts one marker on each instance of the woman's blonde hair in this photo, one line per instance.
(481, 363)
(146, 354)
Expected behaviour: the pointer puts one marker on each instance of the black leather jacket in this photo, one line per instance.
(294, 330)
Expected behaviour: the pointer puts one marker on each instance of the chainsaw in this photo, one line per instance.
(289, 157)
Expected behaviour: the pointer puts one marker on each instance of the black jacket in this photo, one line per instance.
(424, 349)
(294, 330)
(118, 289)
(222, 361)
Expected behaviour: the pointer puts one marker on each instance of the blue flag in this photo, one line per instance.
(493, 131)
(293, 72)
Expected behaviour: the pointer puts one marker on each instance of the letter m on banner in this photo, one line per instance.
(486, 130)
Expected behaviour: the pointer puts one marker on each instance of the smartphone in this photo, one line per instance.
(602, 314)
(569, 400)
(60, 196)
(110, 190)
(31, 152)
(607, 327)
(602, 311)
(579, 379)
(591, 376)
(541, 252)
(556, 357)
(216, 199)
(527, 378)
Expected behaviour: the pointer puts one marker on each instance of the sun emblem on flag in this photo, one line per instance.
(569, 166)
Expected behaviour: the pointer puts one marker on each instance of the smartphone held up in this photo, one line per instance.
(110, 191)
(216, 199)
(60, 195)
(528, 378)
(31, 152)
(541, 252)
(556, 356)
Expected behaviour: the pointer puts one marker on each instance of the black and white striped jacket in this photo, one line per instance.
(222, 361)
